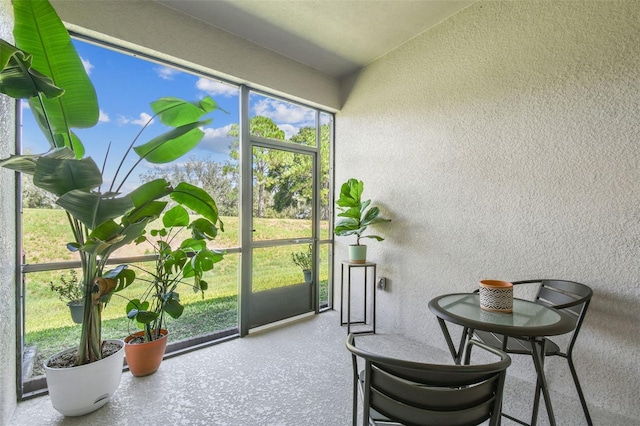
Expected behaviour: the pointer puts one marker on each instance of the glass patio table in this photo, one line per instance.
(528, 321)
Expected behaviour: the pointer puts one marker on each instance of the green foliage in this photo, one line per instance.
(174, 267)
(69, 289)
(357, 214)
(205, 316)
(263, 159)
(303, 259)
(39, 31)
(212, 176)
(101, 222)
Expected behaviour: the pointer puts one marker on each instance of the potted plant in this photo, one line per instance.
(357, 216)
(304, 260)
(71, 292)
(183, 265)
(51, 76)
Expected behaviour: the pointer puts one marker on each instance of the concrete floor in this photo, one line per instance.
(293, 375)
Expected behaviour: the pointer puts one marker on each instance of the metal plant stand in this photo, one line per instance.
(369, 280)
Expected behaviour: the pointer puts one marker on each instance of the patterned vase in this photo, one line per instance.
(496, 295)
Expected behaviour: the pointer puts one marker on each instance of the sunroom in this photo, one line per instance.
(501, 138)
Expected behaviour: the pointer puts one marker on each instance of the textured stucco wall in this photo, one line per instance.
(505, 144)
(7, 242)
(201, 46)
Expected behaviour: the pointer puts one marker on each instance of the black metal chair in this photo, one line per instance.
(570, 297)
(412, 393)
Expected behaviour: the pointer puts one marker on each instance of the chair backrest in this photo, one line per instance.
(424, 394)
(569, 296)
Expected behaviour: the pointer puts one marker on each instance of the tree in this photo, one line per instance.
(263, 158)
(300, 175)
(206, 174)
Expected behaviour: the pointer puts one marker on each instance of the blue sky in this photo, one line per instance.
(126, 86)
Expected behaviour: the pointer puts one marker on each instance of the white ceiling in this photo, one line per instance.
(333, 36)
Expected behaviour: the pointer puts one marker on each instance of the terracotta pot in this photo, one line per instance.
(145, 358)
(496, 295)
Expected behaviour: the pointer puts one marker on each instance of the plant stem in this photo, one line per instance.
(125, 156)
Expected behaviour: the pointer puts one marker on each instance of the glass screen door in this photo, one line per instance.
(282, 248)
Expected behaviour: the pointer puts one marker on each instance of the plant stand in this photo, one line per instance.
(369, 279)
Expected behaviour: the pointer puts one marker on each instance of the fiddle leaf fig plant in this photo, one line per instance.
(356, 214)
(44, 68)
(183, 265)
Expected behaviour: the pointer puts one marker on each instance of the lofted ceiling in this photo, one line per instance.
(333, 36)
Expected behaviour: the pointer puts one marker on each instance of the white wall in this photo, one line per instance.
(504, 143)
(7, 243)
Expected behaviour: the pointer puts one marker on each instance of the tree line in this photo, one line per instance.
(282, 180)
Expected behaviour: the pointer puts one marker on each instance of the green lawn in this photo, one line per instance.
(48, 323)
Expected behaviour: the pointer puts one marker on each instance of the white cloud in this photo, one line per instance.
(104, 117)
(88, 66)
(216, 88)
(140, 121)
(289, 130)
(216, 140)
(284, 112)
(165, 73)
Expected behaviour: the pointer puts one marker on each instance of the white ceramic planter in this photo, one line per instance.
(80, 390)
(357, 254)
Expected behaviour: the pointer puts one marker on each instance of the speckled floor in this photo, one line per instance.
(293, 375)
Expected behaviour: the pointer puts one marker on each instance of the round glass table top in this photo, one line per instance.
(527, 319)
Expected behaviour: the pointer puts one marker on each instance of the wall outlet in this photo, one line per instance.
(382, 283)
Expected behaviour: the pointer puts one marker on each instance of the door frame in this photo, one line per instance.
(247, 143)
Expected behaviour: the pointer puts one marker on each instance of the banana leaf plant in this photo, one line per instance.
(357, 214)
(183, 265)
(44, 68)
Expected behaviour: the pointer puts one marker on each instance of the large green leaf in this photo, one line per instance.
(150, 211)
(122, 275)
(61, 175)
(193, 244)
(350, 193)
(203, 229)
(150, 191)
(39, 31)
(18, 79)
(103, 237)
(177, 112)
(65, 138)
(176, 216)
(173, 144)
(21, 163)
(145, 201)
(172, 305)
(91, 208)
(349, 226)
(129, 233)
(26, 163)
(196, 199)
(353, 212)
(205, 259)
